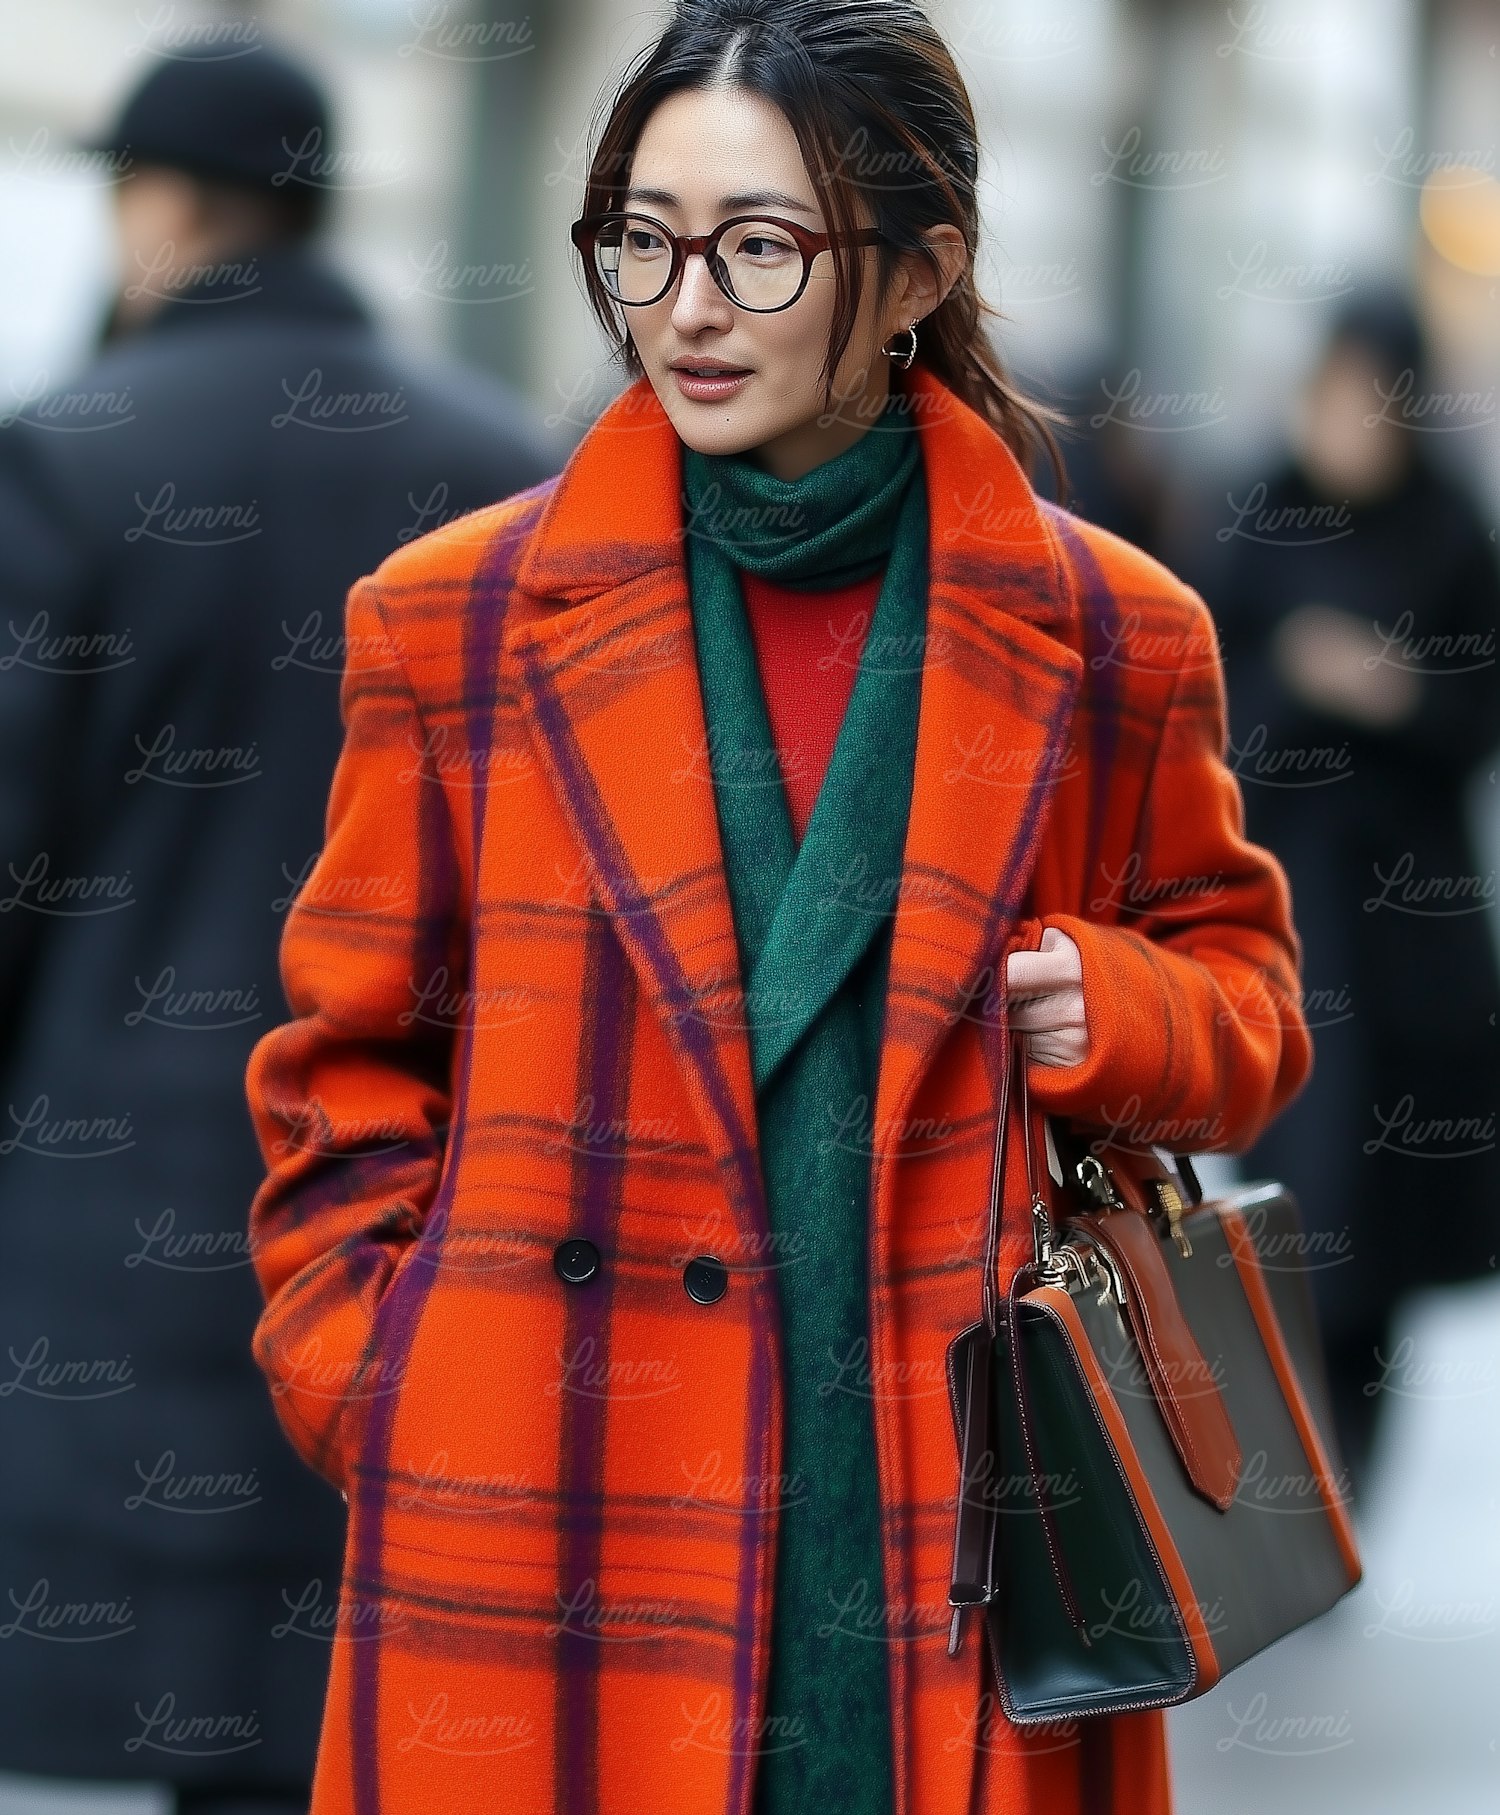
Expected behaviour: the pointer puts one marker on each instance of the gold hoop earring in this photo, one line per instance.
(904, 358)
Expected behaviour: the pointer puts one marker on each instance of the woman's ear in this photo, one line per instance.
(920, 289)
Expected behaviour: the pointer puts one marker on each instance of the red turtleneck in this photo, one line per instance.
(807, 646)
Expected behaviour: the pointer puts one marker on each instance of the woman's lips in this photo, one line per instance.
(708, 390)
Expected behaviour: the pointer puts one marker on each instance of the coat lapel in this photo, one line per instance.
(1000, 679)
(599, 642)
(599, 639)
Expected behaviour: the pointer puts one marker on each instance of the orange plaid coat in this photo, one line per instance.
(513, 985)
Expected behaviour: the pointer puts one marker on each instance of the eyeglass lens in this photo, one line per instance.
(758, 262)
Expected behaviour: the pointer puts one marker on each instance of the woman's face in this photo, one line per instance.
(705, 155)
(1350, 444)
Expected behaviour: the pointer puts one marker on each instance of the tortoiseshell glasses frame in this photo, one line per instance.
(585, 234)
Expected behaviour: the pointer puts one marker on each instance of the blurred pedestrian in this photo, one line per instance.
(178, 528)
(1359, 610)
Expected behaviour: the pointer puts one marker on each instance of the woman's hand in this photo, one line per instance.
(1044, 998)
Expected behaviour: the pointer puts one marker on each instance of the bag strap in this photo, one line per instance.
(1022, 1279)
(990, 1291)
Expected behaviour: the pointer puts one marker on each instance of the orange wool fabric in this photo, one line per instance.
(516, 1022)
(807, 650)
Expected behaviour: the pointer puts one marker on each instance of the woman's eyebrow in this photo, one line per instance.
(751, 198)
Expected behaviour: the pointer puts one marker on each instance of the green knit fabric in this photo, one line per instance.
(813, 925)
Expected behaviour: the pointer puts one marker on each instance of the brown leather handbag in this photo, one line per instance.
(1150, 1490)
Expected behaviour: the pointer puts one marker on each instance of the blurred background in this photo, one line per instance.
(1182, 198)
(1180, 191)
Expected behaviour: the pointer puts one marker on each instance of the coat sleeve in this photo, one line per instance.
(1192, 995)
(351, 1098)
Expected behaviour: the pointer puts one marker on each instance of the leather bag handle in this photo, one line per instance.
(973, 1536)
(1025, 1276)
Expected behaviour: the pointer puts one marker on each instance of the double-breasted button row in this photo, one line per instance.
(705, 1278)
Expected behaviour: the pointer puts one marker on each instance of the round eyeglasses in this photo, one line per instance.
(759, 261)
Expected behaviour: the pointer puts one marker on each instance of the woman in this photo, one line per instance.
(628, 1151)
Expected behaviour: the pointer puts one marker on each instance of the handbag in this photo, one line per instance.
(1150, 1490)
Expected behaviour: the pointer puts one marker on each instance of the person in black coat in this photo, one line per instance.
(1359, 609)
(178, 531)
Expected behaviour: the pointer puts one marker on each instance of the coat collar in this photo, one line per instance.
(599, 636)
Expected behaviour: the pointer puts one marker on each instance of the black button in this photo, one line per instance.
(576, 1261)
(706, 1279)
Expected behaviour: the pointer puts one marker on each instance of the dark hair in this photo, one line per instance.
(862, 83)
(1380, 318)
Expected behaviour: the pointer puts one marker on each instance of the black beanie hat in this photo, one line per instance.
(1380, 319)
(239, 117)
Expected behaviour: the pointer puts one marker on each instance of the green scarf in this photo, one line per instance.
(813, 926)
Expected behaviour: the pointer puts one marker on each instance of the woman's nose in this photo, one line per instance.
(698, 297)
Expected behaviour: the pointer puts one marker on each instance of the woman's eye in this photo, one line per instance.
(758, 245)
(640, 241)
